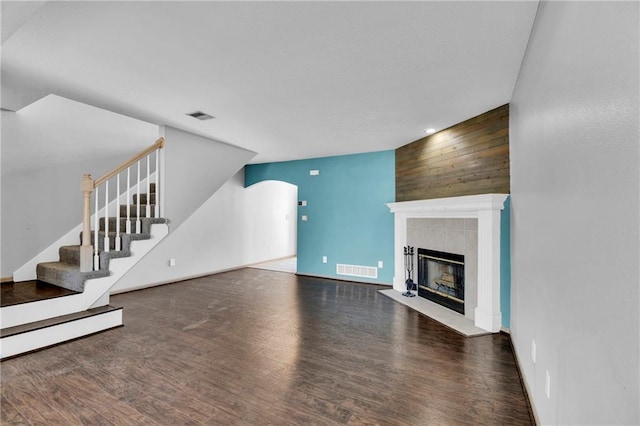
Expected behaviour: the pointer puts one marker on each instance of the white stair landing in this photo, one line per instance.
(443, 315)
(41, 334)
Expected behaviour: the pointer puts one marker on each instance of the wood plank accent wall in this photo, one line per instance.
(468, 158)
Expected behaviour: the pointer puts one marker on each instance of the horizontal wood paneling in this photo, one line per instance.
(468, 158)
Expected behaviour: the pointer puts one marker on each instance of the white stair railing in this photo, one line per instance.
(90, 252)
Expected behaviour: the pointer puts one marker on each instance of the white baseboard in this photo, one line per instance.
(527, 389)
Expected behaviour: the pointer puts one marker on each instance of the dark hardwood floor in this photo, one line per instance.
(256, 347)
(12, 293)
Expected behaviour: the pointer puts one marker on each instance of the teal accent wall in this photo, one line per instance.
(348, 220)
(505, 263)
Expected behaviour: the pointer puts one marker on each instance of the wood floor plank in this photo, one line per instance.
(9, 415)
(255, 346)
(31, 402)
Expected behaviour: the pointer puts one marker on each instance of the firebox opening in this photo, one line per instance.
(441, 278)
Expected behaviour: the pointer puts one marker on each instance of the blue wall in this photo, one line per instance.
(505, 263)
(348, 220)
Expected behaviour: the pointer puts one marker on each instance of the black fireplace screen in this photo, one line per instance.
(441, 278)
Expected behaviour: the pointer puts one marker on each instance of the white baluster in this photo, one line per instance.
(106, 216)
(157, 205)
(138, 202)
(118, 212)
(148, 210)
(128, 230)
(96, 227)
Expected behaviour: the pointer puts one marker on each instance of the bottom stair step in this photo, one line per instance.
(41, 334)
(13, 293)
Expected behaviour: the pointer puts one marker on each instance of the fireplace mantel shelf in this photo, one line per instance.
(466, 206)
(486, 208)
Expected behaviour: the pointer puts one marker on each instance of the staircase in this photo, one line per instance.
(70, 297)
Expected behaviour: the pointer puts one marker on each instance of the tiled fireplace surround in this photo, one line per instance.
(468, 225)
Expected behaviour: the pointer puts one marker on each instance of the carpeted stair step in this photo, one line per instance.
(143, 199)
(66, 275)
(133, 210)
(125, 240)
(112, 225)
(145, 224)
(71, 255)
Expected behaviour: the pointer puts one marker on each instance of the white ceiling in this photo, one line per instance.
(287, 80)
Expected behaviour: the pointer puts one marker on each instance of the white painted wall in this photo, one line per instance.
(46, 149)
(575, 190)
(235, 227)
(195, 167)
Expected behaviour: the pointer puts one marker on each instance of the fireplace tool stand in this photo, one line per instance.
(408, 266)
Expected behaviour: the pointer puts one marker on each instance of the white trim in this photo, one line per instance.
(486, 208)
(24, 313)
(96, 289)
(43, 337)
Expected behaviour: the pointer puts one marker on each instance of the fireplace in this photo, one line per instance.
(441, 278)
(483, 298)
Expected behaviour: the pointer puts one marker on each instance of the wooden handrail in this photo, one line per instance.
(159, 144)
(89, 186)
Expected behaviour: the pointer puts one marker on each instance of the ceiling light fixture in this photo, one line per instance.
(200, 115)
(430, 131)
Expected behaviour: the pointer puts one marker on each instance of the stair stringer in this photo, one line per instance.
(96, 291)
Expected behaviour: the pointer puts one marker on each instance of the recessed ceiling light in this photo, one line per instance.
(430, 131)
(200, 115)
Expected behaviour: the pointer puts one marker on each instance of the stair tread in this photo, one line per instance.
(67, 275)
(62, 266)
(114, 253)
(15, 293)
(75, 269)
(24, 328)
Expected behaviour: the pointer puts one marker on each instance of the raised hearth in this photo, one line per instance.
(486, 208)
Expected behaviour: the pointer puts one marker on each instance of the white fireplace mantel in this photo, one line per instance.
(486, 208)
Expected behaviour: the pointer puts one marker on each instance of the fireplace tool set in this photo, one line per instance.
(408, 266)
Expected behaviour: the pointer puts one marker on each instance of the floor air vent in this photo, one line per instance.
(357, 271)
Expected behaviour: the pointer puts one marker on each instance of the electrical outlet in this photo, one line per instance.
(304, 218)
(314, 172)
(172, 262)
(324, 259)
(380, 264)
(533, 351)
(547, 384)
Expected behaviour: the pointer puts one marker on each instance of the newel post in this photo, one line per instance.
(86, 249)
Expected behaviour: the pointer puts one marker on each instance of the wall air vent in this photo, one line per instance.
(200, 115)
(357, 271)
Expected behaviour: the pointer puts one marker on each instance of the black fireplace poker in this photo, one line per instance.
(408, 266)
